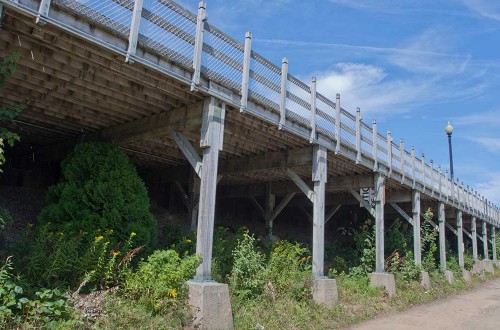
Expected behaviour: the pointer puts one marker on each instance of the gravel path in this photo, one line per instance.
(476, 309)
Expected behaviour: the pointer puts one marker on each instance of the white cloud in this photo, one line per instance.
(490, 143)
(485, 8)
(372, 89)
(490, 187)
(488, 118)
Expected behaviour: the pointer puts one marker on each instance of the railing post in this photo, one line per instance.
(284, 81)
(313, 110)
(423, 172)
(358, 135)
(389, 151)
(402, 157)
(246, 71)
(446, 179)
(134, 30)
(43, 10)
(198, 45)
(432, 177)
(337, 124)
(440, 181)
(413, 167)
(374, 145)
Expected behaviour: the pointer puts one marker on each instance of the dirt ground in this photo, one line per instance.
(476, 309)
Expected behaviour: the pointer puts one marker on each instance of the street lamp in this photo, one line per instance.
(449, 130)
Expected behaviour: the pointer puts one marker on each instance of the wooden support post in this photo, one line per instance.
(284, 83)
(319, 177)
(134, 30)
(484, 232)
(338, 125)
(246, 71)
(460, 236)
(43, 11)
(194, 198)
(358, 135)
(270, 200)
(312, 125)
(379, 222)
(474, 238)
(417, 244)
(442, 236)
(493, 243)
(211, 142)
(374, 145)
(198, 45)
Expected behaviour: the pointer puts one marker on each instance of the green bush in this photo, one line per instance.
(159, 282)
(407, 271)
(19, 308)
(225, 242)
(100, 189)
(288, 271)
(247, 274)
(398, 237)
(365, 242)
(429, 236)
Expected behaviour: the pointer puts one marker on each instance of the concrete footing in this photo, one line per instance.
(210, 305)
(325, 292)
(384, 280)
(477, 268)
(466, 275)
(448, 275)
(425, 281)
(488, 266)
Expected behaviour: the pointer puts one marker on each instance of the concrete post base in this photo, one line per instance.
(426, 281)
(496, 263)
(488, 266)
(210, 304)
(325, 292)
(466, 275)
(477, 268)
(448, 275)
(384, 280)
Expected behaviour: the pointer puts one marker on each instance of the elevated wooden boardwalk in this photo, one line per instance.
(151, 76)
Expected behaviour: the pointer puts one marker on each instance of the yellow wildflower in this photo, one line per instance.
(115, 253)
(172, 293)
(99, 238)
(133, 234)
(188, 241)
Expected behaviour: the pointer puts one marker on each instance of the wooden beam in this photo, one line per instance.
(399, 197)
(272, 160)
(402, 212)
(284, 202)
(182, 194)
(306, 213)
(188, 150)
(301, 184)
(332, 212)
(156, 125)
(362, 202)
(450, 227)
(257, 206)
(349, 182)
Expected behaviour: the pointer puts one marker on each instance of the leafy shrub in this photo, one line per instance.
(247, 274)
(398, 237)
(468, 260)
(222, 258)
(17, 307)
(365, 242)
(159, 282)
(452, 263)
(57, 259)
(100, 189)
(5, 218)
(288, 271)
(405, 268)
(171, 234)
(429, 246)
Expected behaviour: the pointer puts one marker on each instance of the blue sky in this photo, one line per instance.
(411, 64)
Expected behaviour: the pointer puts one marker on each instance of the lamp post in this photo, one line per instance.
(449, 130)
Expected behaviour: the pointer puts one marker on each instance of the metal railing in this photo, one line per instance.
(190, 42)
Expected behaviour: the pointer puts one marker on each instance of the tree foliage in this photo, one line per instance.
(100, 190)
